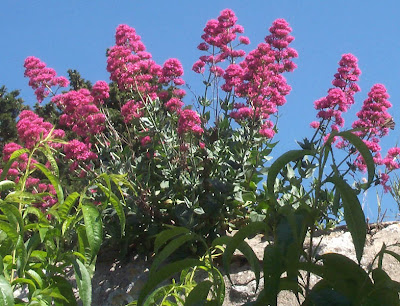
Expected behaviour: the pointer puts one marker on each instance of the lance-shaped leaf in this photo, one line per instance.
(237, 242)
(6, 292)
(64, 208)
(279, 164)
(364, 151)
(353, 214)
(199, 293)
(116, 203)
(13, 157)
(171, 247)
(6, 185)
(166, 272)
(13, 215)
(10, 231)
(93, 227)
(53, 180)
(46, 150)
(83, 281)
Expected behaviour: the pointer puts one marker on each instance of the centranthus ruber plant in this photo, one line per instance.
(195, 170)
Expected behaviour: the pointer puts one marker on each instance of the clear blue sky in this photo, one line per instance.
(75, 34)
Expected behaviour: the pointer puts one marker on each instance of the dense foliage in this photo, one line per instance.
(108, 165)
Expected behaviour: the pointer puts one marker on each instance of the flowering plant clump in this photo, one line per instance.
(197, 167)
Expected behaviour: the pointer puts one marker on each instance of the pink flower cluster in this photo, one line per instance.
(172, 71)
(41, 79)
(80, 112)
(132, 109)
(130, 66)
(371, 120)
(259, 80)
(32, 184)
(19, 165)
(189, 121)
(219, 34)
(100, 92)
(78, 151)
(31, 128)
(341, 97)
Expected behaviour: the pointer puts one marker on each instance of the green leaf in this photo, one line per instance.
(6, 185)
(116, 203)
(247, 252)
(1, 265)
(83, 243)
(36, 277)
(273, 268)
(353, 214)
(169, 249)
(46, 150)
(6, 292)
(345, 276)
(24, 281)
(83, 281)
(65, 289)
(93, 227)
(323, 294)
(237, 240)
(199, 294)
(365, 153)
(13, 156)
(395, 255)
(10, 231)
(166, 235)
(166, 272)
(53, 180)
(13, 215)
(279, 164)
(64, 208)
(21, 254)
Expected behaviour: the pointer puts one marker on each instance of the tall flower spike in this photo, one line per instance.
(259, 80)
(218, 37)
(341, 97)
(42, 78)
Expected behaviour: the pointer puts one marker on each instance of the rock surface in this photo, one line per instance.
(115, 283)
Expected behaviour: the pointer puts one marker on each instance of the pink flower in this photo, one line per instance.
(202, 145)
(41, 78)
(315, 124)
(100, 92)
(341, 97)
(31, 128)
(78, 151)
(372, 121)
(132, 109)
(384, 178)
(174, 105)
(267, 130)
(132, 68)
(172, 70)
(198, 66)
(145, 140)
(80, 112)
(244, 40)
(189, 121)
(391, 161)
